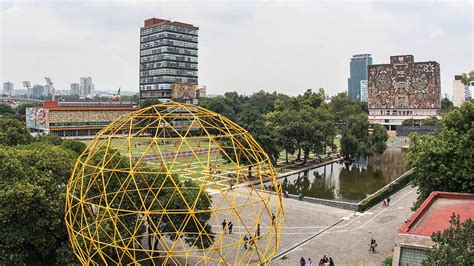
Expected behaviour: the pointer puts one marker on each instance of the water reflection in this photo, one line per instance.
(348, 182)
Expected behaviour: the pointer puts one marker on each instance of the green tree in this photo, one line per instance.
(431, 121)
(32, 181)
(454, 246)
(13, 132)
(280, 121)
(355, 136)
(5, 108)
(410, 122)
(379, 139)
(446, 104)
(74, 145)
(253, 120)
(468, 78)
(165, 192)
(21, 109)
(444, 162)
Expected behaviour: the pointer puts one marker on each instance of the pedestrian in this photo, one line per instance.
(388, 201)
(331, 262)
(258, 230)
(252, 241)
(310, 263)
(224, 224)
(321, 262)
(246, 240)
(285, 182)
(230, 227)
(384, 203)
(302, 262)
(273, 219)
(325, 259)
(372, 245)
(300, 195)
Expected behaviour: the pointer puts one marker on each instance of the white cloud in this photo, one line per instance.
(244, 46)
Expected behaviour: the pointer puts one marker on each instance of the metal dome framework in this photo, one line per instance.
(156, 185)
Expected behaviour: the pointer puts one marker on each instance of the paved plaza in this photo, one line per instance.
(309, 232)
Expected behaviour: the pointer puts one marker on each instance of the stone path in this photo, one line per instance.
(346, 242)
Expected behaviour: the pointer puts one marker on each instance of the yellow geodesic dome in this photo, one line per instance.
(166, 184)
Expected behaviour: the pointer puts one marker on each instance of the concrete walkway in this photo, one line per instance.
(347, 241)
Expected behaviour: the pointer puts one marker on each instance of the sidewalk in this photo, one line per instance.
(347, 242)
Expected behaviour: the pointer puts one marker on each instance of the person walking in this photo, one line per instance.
(310, 263)
(258, 230)
(224, 224)
(331, 262)
(246, 241)
(372, 244)
(302, 262)
(273, 219)
(388, 201)
(230, 227)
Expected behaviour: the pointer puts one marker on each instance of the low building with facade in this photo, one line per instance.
(75, 119)
(414, 237)
(403, 89)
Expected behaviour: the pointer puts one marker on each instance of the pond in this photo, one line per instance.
(348, 182)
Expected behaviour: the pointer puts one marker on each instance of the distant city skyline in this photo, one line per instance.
(246, 47)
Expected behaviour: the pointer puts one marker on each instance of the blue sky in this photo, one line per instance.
(244, 46)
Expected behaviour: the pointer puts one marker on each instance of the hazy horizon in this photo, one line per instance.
(243, 46)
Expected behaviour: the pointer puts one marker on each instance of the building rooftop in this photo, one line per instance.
(92, 106)
(436, 211)
(158, 21)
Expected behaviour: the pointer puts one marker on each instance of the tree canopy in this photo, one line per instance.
(444, 162)
(453, 246)
(13, 132)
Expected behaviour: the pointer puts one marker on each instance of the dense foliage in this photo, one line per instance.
(445, 162)
(33, 176)
(13, 132)
(302, 124)
(32, 181)
(454, 246)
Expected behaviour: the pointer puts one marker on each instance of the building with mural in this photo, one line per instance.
(75, 119)
(403, 89)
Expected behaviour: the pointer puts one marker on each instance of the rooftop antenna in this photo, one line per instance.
(50, 83)
(27, 84)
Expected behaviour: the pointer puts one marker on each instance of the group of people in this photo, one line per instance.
(227, 225)
(324, 261)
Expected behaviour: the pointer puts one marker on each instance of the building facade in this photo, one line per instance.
(402, 90)
(75, 119)
(37, 91)
(364, 91)
(168, 55)
(86, 87)
(358, 72)
(75, 89)
(8, 89)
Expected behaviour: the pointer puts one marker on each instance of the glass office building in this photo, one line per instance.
(358, 72)
(168, 54)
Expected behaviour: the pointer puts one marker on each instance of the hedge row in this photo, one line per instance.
(386, 191)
